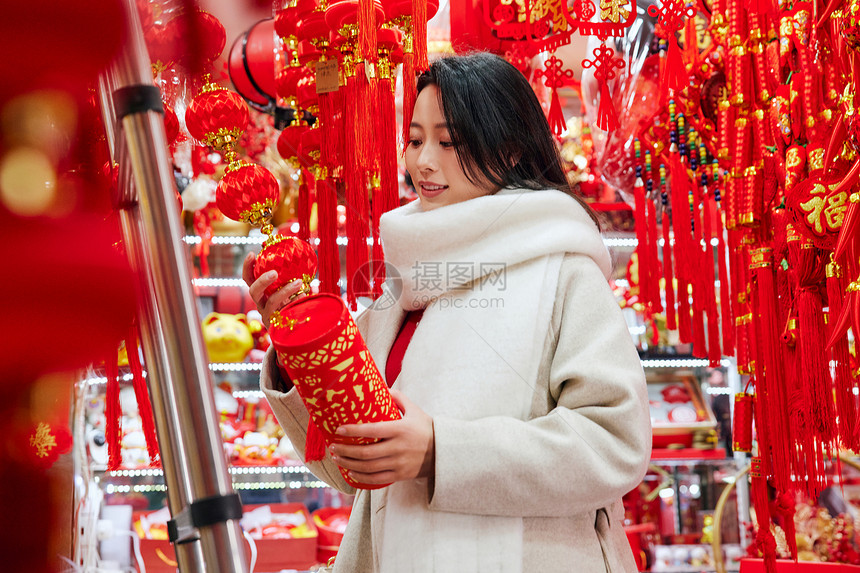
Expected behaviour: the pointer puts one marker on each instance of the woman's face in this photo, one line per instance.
(431, 158)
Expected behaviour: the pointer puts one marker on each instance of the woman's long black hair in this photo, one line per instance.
(497, 125)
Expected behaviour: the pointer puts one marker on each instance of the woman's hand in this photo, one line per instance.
(257, 289)
(406, 449)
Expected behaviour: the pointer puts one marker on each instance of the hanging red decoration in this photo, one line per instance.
(554, 77)
(217, 117)
(605, 65)
(670, 20)
(248, 193)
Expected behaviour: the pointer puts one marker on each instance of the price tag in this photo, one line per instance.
(327, 76)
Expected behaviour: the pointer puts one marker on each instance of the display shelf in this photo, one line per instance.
(659, 455)
(680, 362)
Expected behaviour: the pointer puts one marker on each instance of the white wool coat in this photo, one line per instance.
(535, 388)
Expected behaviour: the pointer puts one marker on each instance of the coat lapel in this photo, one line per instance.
(380, 324)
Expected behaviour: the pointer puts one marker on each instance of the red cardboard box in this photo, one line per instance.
(784, 566)
(272, 554)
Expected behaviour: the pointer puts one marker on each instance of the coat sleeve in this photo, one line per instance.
(592, 446)
(292, 415)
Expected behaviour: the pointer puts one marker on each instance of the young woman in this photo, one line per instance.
(525, 416)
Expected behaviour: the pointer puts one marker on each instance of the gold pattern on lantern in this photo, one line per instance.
(282, 321)
(43, 440)
(258, 215)
(223, 139)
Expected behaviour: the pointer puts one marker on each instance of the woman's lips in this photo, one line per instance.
(431, 189)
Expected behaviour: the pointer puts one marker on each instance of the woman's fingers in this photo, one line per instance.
(378, 478)
(248, 268)
(366, 466)
(257, 289)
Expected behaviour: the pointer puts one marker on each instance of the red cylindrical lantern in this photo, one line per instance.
(742, 434)
(320, 348)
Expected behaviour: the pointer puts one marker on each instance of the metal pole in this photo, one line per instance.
(200, 494)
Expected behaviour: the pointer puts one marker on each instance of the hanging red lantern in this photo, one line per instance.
(251, 64)
(217, 117)
(249, 193)
(291, 257)
(171, 124)
(289, 142)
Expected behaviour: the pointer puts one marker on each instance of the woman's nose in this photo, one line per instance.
(426, 159)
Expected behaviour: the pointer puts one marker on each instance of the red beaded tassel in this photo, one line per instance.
(641, 226)
(714, 348)
(696, 274)
(654, 270)
(113, 412)
(678, 175)
(726, 315)
(668, 274)
(141, 394)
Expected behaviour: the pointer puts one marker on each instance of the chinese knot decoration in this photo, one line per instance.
(605, 63)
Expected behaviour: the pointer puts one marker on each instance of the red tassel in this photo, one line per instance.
(641, 225)
(784, 505)
(556, 115)
(409, 92)
(328, 135)
(680, 203)
(607, 119)
(714, 348)
(303, 207)
(819, 392)
(378, 205)
(742, 434)
(329, 255)
(113, 413)
(725, 291)
(700, 288)
(674, 75)
(764, 539)
(668, 275)
(141, 393)
(844, 381)
(367, 29)
(654, 270)
(315, 443)
(769, 365)
(356, 198)
(419, 34)
(388, 146)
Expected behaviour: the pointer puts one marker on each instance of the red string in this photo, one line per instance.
(141, 393)
(113, 412)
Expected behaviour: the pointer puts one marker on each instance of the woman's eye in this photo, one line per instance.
(446, 144)
(414, 142)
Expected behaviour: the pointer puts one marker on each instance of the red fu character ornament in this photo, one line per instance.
(604, 64)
